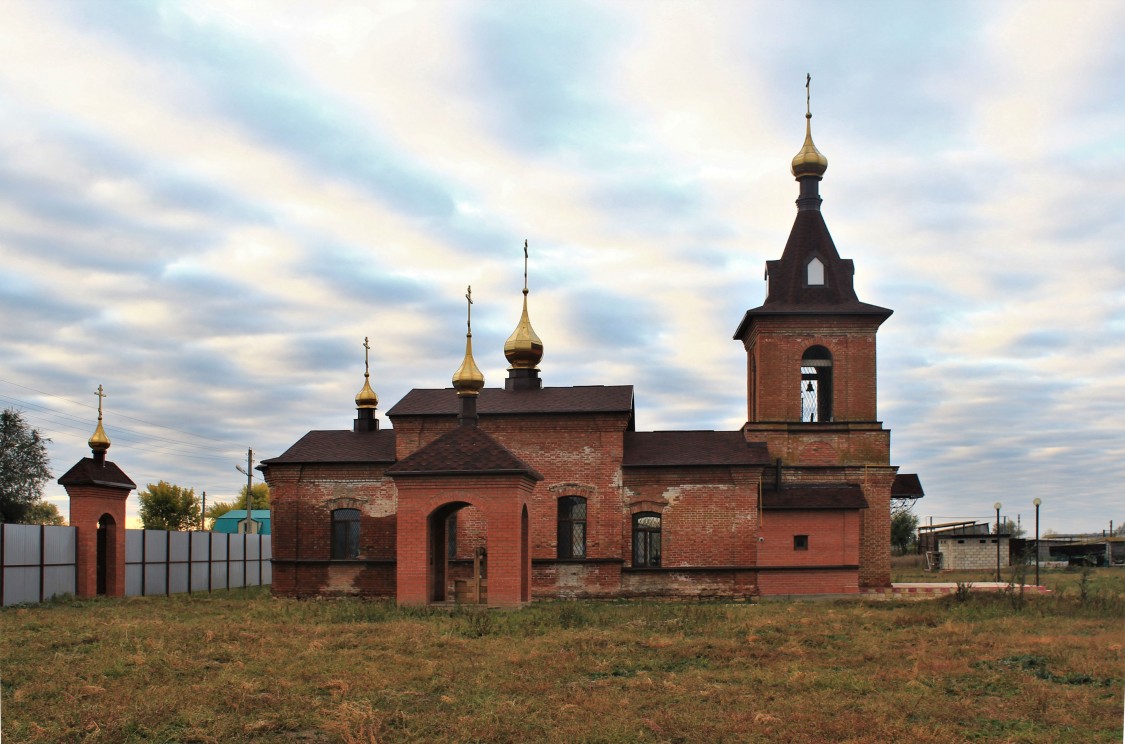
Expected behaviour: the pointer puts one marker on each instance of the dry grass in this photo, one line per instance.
(241, 666)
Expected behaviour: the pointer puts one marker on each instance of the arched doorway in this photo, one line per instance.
(106, 560)
(525, 558)
(457, 564)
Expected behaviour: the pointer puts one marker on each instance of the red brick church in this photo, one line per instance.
(498, 495)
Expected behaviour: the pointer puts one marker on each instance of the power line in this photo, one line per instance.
(54, 418)
(131, 418)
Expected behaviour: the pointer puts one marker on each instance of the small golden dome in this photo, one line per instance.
(99, 442)
(366, 397)
(468, 379)
(809, 161)
(523, 349)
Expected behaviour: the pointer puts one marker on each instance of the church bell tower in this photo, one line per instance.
(811, 345)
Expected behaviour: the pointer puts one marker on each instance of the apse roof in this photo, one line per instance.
(466, 450)
(340, 446)
(687, 448)
(578, 399)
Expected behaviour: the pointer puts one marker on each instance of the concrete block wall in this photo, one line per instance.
(968, 552)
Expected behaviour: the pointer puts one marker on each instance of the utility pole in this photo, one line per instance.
(249, 524)
(203, 513)
(997, 507)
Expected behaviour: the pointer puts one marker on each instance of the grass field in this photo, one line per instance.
(242, 666)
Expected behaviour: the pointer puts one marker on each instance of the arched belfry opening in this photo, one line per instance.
(816, 385)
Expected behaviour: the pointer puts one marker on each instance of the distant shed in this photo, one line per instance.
(230, 521)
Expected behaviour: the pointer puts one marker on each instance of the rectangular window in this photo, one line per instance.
(572, 527)
(800, 542)
(646, 540)
(345, 534)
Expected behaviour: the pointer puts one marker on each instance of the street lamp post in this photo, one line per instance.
(996, 506)
(1037, 502)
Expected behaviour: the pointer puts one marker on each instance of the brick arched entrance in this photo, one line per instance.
(106, 559)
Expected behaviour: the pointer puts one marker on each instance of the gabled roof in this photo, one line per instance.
(789, 291)
(466, 450)
(907, 486)
(339, 446)
(815, 497)
(493, 401)
(87, 472)
(688, 448)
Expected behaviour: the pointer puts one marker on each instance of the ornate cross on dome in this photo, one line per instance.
(101, 394)
(808, 94)
(469, 321)
(525, 266)
(366, 365)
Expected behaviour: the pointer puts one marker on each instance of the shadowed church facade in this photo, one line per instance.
(498, 495)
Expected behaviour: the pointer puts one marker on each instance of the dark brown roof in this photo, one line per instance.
(907, 486)
(466, 450)
(579, 399)
(340, 446)
(86, 472)
(789, 292)
(815, 497)
(685, 448)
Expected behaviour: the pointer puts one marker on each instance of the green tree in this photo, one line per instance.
(43, 512)
(259, 499)
(904, 525)
(165, 506)
(23, 466)
(1009, 527)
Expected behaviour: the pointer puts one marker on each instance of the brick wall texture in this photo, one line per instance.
(715, 540)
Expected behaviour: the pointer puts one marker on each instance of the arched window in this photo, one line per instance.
(572, 527)
(345, 534)
(815, 273)
(816, 384)
(646, 539)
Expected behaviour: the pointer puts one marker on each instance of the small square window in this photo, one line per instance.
(800, 542)
(960, 542)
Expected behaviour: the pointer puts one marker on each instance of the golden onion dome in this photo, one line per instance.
(809, 161)
(523, 349)
(468, 379)
(99, 442)
(366, 397)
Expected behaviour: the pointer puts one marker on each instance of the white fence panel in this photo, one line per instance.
(36, 562)
(39, 562)
(60, 546)
(134, 563)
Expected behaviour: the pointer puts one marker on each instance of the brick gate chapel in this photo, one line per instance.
(497, 495)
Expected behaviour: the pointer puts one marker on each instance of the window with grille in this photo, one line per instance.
(800, 542)
(345, 534)
(572, 527)
(646, 539)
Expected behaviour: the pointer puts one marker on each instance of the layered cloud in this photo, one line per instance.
(207, 206)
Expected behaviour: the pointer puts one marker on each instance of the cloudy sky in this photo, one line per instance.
(206, 206)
